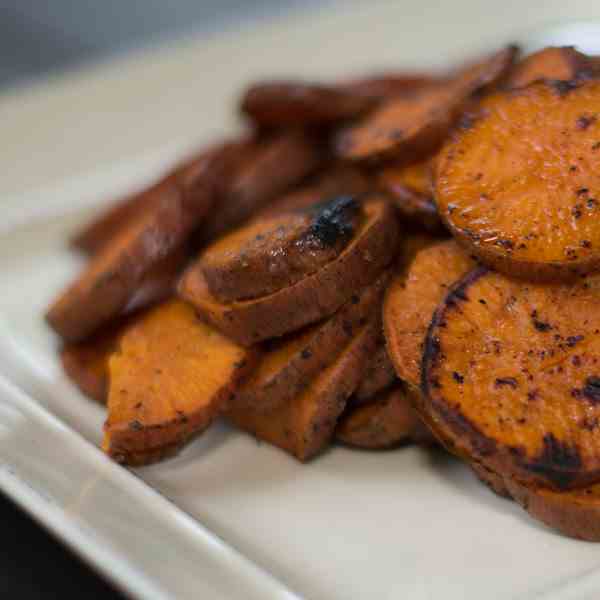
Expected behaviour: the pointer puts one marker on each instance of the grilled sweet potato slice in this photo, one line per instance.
(387, 421)
(297, 104)
(379, 375)
(169, 378)
(519, 187)
(410, 189)
(552, 64)
(412, 299)
(510, 375)
(310, 299)
(304, 425)
(268, 169)
(289, 364)
(406, 126)
(269, 254)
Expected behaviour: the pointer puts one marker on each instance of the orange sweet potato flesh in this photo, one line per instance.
(296, 103)
(552, 64)
(268, 168)
(271, 253)
(379, 375)
(411, 300)
(405, 126)
(312, 298)
(509, 375)
(387, 421)
(170, 377)
(519, 187)
(304, 426)
(290, 363)
(409, 187)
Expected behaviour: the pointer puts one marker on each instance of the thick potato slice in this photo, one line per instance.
(289, 364)
(296, 104)
(270, 167)
(552, 64)
(410, 189)
(405, 126)
(411, 300)
(169, 378)
(510, 377)
(379, 375)
(312, 298)
(269, 254)
(519, 187)
(387, 421)
(304, 425)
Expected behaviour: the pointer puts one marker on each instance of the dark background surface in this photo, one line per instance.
(45, 36)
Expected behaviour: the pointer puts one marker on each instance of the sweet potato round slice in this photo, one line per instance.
(268, 169)
(170, 377)
(289, 364)
(295, 103)
(379, 375)
(304, 425)
(510, 374)
(387, 421)
(269, 254)
(310, 299)
(552, 64)
(412, 299)
(520, 188)
(404, 126)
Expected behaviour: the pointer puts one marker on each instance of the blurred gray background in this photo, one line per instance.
(41, 36)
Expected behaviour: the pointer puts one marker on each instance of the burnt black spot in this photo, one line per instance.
(240, 364)
(557, 461)
(591, 389)
(573, 168)
(582, 191)
(509, 381)
(574, 339)
(506, 244)
(591, 203)
(540, 325)
(589, 423)
(135, 425)
(584, 121)
(586, 244)
(482, 301)
(562, 88)
(576, 211)
(576, 361)
(306, 354)
(458, 377)
(334, 220)
(533, 394)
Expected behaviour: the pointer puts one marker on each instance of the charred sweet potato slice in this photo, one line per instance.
(312, 298)
(269, 168)
(412, 299)
(289, 364)
(269, 254)
(404, 126)
(520, 187)
(304, 425)
(410, 189)
(296, 103)
(379, 375)
(169, 378)
(510, 374)
(552, 64)
(387, 421)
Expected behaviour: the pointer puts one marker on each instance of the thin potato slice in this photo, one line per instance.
(510, 377)
(379, 375)
(305, 425)
(520, 188)
(412, 299)
(552, 64)
(297, 104)
(289, 364)
(406, 126)
(310, 299)
(269, 254)
(170, 377)
(387, 421)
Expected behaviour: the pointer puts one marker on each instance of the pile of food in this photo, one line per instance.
(400, 258)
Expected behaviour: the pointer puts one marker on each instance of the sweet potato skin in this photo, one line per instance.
(411, 300)
(508, 376)
(169, 379)
(291, 363)
(517, 186)
(312, 298)
(379, 375)
(305, 425)
(383, 86)
(492, 480)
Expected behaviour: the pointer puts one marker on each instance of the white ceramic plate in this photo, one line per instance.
(231, 518)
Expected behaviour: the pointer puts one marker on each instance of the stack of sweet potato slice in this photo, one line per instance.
(300, 281)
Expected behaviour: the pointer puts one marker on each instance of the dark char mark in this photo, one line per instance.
(334, 219)
(591, 389)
